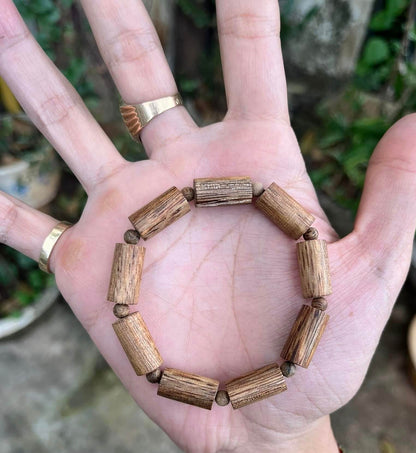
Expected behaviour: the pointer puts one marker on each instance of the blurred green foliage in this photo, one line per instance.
(21, 281)
(54, 25)
(199, 12)
(383, 89)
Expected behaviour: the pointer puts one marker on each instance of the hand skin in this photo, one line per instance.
(220, 287)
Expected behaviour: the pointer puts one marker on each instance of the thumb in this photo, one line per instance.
(386, 219)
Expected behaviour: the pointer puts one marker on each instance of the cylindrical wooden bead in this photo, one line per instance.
(160, 213)
(188, 388)
(314, 268)
(223, 191)
(126, 274)
(255, 386)
(320, 303)
(137, 343)
(304, 336)
(121, 310)
(222, 398)
(284, 211)
(131, 237)
(154, 376)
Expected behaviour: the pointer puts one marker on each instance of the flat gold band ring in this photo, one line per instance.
(136, 116)
(49, 244)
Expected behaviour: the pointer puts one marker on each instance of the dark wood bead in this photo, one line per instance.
(188, 193)
(222, 398)
(320, 303)
(154, 376)
(311, 234)
(121, 310)
(288, 369)
(131, 237)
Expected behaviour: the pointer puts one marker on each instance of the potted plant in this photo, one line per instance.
(29, 168)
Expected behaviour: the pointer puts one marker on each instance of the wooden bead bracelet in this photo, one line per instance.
(306, 332)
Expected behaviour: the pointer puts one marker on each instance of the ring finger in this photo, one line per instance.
(133, 54)
(23, 227)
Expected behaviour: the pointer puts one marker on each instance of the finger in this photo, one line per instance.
(133, 54)
(53, 104)
(23, 227)
(386, 219)
(252, 61)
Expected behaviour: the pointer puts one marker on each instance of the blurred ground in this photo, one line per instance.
(382, 416)
(58, 395)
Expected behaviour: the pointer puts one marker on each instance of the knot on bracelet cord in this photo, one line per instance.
(288, 215)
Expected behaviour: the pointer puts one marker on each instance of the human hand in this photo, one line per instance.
(220, 288)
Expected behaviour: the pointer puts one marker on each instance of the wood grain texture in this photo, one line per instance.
(131, 120)
(305, 336)
(188, 388)
(126, 274)
(319, 303)
(223, 191)
(284, 211)
(137, 343)
(314, 268)
(160, 213)
(255, 386)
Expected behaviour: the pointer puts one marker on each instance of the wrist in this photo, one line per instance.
(316, 437)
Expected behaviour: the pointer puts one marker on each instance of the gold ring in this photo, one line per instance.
(138, 115)
(49, 244)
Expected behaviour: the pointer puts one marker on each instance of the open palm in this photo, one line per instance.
(220, 287)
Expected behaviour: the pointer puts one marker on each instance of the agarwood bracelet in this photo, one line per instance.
(306, 332)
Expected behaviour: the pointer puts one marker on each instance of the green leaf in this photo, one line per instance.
(376, 51)
(396, 7)
(24, 297)
(381, 21)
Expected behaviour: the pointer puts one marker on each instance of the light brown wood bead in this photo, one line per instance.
(314, 268)
(188, 193)
(222, 398)
(137, 343)
(284, 211)
(131, 237)
(305, 336)
(288, 369)
(154, 376)
(256, 385)
(126, 274)
(320, 303)
(223, 191)
(311, 234)
(188, 388)
(160, 213)
(258, 189)
(121, 310)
